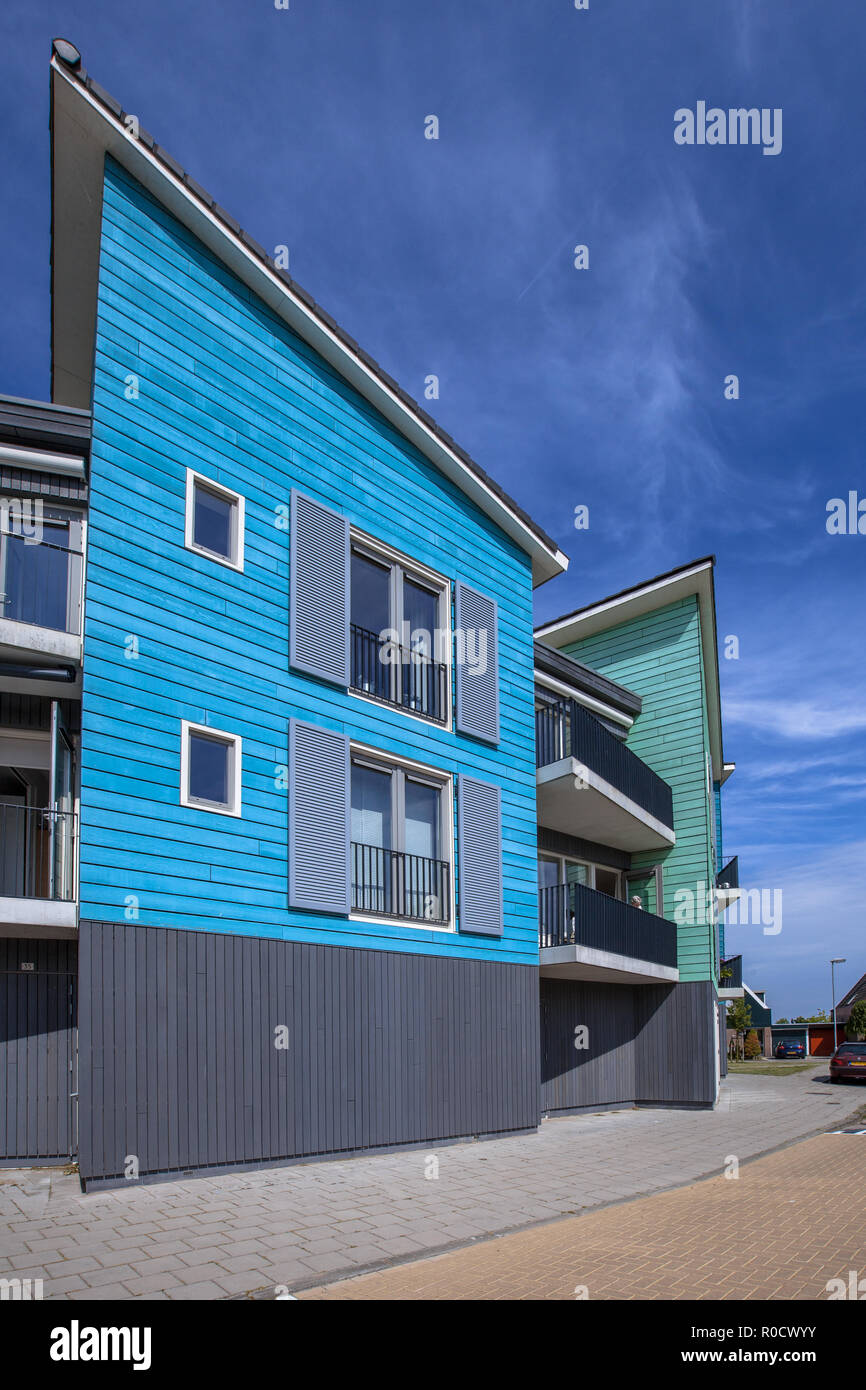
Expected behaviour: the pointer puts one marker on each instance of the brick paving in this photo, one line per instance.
(227, 1235)
(781, 1229)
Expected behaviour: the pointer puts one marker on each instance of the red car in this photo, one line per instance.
(848, 1062)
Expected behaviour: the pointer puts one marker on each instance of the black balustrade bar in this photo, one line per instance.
(389, 883)
(570, 914)
(567, 730)
(400, 676)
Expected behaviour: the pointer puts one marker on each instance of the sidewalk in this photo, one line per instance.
(785, 1227)
(215, 1237)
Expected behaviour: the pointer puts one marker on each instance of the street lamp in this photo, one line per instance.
(836, 960)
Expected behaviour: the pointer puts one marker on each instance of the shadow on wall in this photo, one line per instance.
(604, 1044)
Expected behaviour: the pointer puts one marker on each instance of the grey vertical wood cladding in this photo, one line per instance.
(180, 1068)
(675, 1061)
(648, 1044)
(37, 1049)
(603, 1073)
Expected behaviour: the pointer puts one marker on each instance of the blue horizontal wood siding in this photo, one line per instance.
(226, 388)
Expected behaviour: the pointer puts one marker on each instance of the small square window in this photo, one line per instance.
(210, 769)
(214, 521)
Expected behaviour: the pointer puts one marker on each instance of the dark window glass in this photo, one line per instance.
(548, 873)
(35, 581)
(421, 614)
(853, 1049)
(371, 594)
(208, 769)
(371, 807)
(607, 882)
(212, 522)
(422, 820)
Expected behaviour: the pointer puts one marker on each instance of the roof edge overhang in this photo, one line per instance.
(87, 124)
(613, 697)
(43, 428)
(695, 579)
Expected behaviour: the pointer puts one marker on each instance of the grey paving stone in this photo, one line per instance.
(206, 1290)
(282, 1225)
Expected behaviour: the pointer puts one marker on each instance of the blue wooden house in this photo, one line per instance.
(307, 903)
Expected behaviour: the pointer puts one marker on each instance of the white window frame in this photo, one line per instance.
(234, 743)
(227, 494)
(407, 568)
(389, 762)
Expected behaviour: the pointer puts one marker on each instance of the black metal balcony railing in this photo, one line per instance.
(731, 973)
(389, 883)
(36, 853)
(398, 675)
(729, 876)
(570, 914)
(41, 585)
(567, 730)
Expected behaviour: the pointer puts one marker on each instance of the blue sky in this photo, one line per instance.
(602, 387)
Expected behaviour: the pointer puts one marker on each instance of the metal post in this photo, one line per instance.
(836, 960)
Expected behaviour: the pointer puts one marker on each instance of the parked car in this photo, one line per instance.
(794, 1048)
(848, 1062)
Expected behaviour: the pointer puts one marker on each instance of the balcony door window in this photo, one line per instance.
(548, 872)
(61, 795)
(557, 870)
(400, 843)
(371, 616)
(422, 819)
(40, 572)
(396, 616)
(607, 881)
(372, 806)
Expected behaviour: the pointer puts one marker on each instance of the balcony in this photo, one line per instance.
(731, 978)
(389, 883)
(586, 935)
(591, 785)
(37, 868)
(404, 677)
(40, 593)
(728, 884)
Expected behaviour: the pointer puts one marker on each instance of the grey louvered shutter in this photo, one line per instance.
(319, 591)
(319, 816)
(477, 672)
(479, 853)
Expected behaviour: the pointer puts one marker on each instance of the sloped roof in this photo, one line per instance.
(86, 123)
(846, 1004)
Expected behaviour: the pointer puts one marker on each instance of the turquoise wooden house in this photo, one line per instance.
(662, 766)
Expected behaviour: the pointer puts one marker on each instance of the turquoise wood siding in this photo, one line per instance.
(226, 388)
(717, 824)
(659, 656)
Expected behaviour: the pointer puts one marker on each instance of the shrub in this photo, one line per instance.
(752, 1047)
(856, 1026)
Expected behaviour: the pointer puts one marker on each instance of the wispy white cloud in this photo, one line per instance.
(823, 892)
(815, 718)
